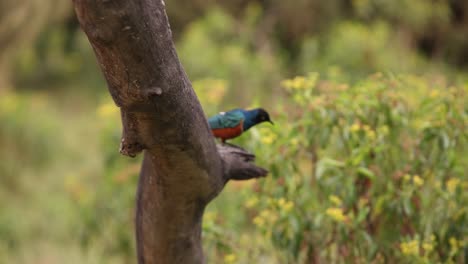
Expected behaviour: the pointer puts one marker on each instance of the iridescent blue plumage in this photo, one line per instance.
(233, 123)
(227, 119)
(250, 118)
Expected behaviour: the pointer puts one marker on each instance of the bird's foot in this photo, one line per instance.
(231, 145)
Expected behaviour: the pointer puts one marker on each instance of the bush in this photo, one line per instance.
(372, 172)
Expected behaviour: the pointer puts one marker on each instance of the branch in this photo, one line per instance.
(238, 163)
(182, 169)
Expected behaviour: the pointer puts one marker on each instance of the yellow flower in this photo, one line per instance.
(300, 82)
(294, 84)
(259, 221)
(453, 243)
(288, 206)
(428, 247)
(294, 142)
(452, 184)
(434, 94)
(406, 177)
(370, 134)
(410, 247)
(384, 130)
(266, 214)
(335, 200)
(209, 216)
(268, 137)
(336, 214)
(281, 202)
(107, 110)
(252, 202)
(230, 258)
(312, 79)
(418, 181)
(355, 127)
(287, 84)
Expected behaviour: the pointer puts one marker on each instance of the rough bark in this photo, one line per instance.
(183, 169)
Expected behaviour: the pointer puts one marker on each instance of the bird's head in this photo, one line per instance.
(262, 116)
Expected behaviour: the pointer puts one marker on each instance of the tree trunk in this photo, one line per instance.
(183, 169)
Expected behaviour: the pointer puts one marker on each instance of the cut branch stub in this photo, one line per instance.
(238, 163)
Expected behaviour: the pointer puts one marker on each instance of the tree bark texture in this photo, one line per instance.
(183, 168)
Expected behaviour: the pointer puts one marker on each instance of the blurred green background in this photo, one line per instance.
(368, 158)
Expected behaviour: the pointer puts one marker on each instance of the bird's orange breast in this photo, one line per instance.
(229, 132)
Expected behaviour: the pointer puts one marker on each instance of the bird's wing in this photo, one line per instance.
(226, 120)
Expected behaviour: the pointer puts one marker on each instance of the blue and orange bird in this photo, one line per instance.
(231, 124)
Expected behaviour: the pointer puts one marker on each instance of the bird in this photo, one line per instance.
(231, 124)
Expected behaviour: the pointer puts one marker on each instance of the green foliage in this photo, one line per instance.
(61, 186)
(416, 15)
(24, 137)
(364, 169)
(373, 172)
(219, 47)
(359, 49)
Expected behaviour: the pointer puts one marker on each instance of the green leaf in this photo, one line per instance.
(366, 173)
